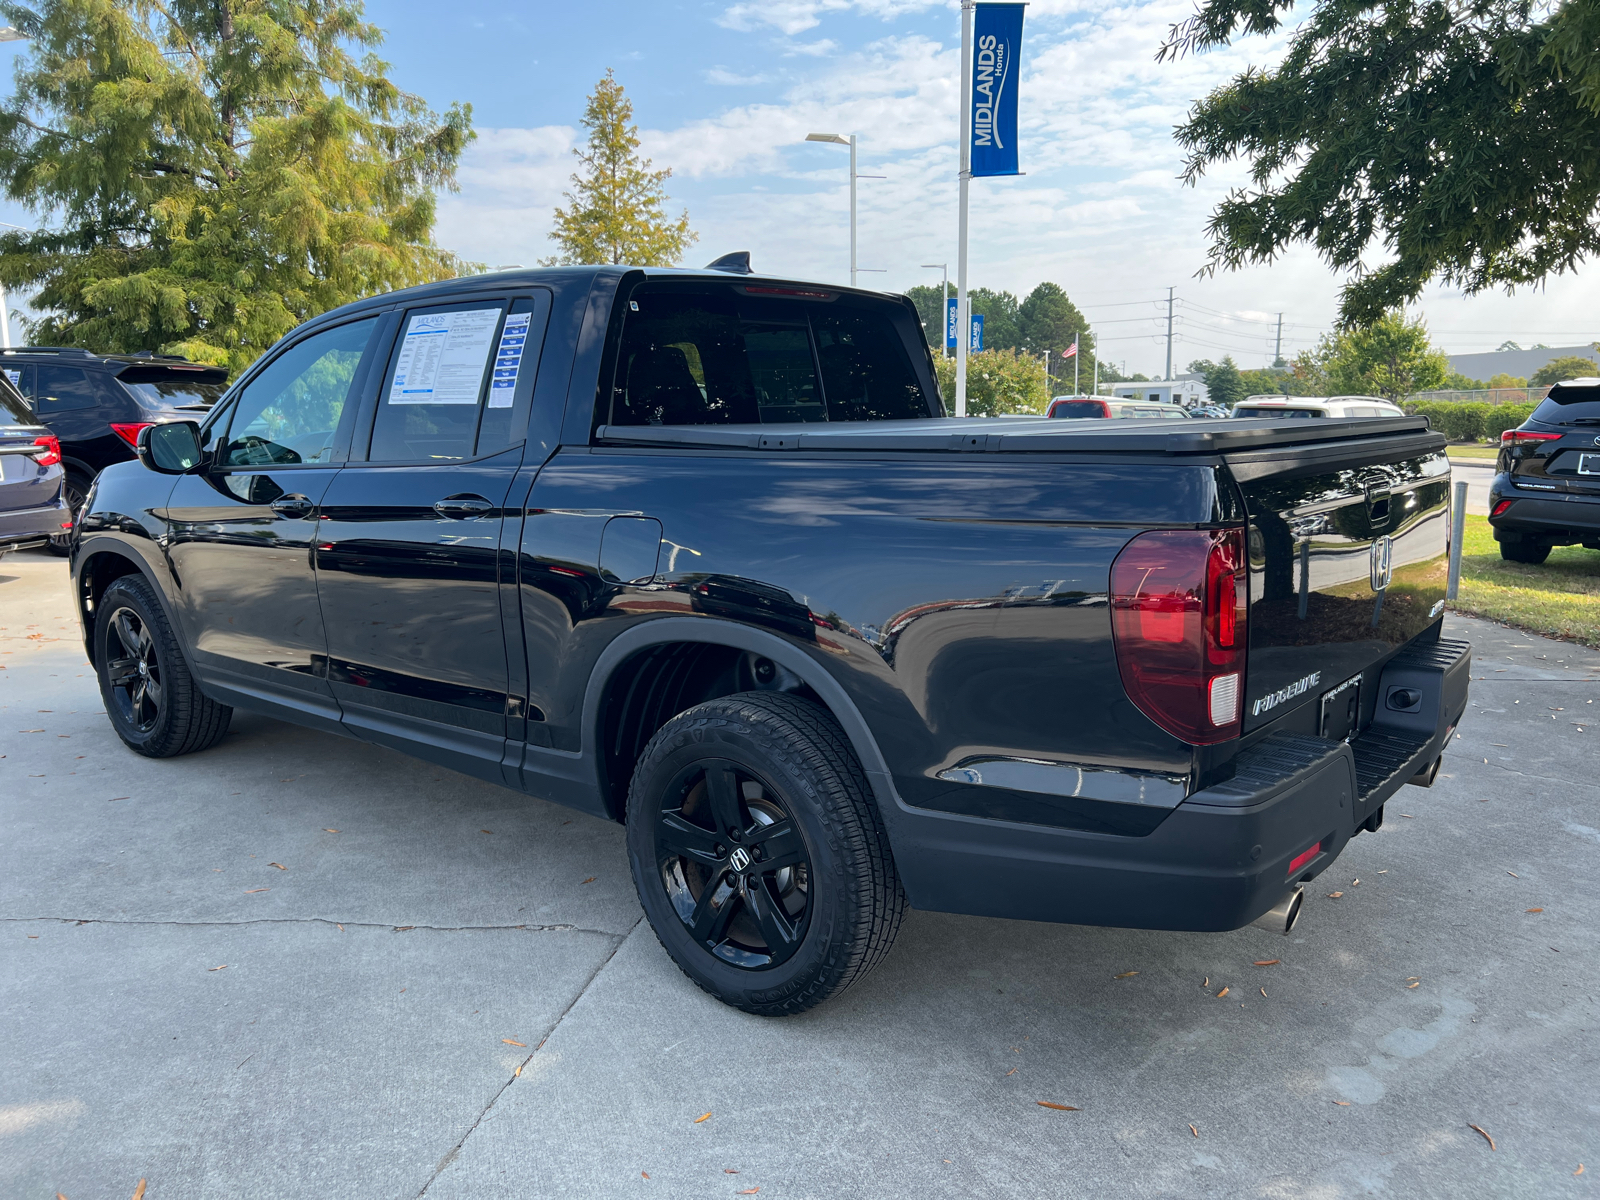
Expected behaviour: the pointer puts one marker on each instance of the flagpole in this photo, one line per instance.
(1075, 360)
(963, 317)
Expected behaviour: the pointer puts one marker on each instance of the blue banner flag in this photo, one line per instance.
(977, 332)
(952, 324)
(997, 42)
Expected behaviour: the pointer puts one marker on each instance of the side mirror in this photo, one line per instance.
(170, 449)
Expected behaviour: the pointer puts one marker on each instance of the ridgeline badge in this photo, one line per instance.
(1272, 699)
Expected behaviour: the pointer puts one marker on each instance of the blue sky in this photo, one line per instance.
(724, 93)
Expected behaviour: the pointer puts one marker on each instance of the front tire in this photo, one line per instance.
(1525, 552)
(759, 853)
(152, 700)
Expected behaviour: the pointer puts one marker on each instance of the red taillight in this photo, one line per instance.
(1527, 437)
(130, 433)
(1302, 859)
(1500, 508)
(52, 450)
(1178, 619)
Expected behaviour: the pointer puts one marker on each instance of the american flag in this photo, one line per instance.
(1071, 351)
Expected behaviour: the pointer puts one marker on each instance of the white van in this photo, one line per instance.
(1315, 406)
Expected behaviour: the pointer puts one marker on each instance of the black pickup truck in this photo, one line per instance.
(700, 552)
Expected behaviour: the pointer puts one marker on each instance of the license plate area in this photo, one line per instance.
(1341, 710)
(1589, 464)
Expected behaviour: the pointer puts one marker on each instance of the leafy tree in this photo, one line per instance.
(1507, 345)
(1568, 366)
(1048, 321)
(617, 211)
(1504, 380)
(1456, 141)
(998, 381)
(1001, 328)
(1391, 358)
(930, 311)
(210, 174)
(1223, 380)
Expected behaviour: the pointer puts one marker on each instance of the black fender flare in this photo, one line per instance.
(97, 545)
(709, 630)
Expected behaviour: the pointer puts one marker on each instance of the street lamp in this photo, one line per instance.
(850, 141)
(944, 313)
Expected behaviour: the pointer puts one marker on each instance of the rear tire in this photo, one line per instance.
(149, 694)
(74, 490)
(759, 853)
(1525, 552)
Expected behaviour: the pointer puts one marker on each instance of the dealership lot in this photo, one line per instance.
(299, 966)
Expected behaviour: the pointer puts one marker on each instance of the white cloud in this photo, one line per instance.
(723, 77)
(796, 16)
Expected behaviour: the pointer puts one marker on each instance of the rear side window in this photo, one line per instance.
(63, 389)
(721, 358)
(1570, 406)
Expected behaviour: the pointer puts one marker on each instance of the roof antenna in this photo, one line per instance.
(737, 263)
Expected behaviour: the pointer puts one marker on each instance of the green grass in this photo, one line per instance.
(1472, 450)
(1558, 598)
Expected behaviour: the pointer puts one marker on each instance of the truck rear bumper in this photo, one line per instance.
(1223, 857)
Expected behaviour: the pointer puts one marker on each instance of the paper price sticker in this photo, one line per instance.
(443, 357)
(508, 361)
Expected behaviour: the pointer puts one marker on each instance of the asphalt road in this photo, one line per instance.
(297, 966)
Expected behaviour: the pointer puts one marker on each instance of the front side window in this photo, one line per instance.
(717, 357)
(290, 412)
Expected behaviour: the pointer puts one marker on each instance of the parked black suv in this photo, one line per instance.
(96, 404)
(1546, 489)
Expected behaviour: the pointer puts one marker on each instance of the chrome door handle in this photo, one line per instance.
(462, 507)
(293, 505)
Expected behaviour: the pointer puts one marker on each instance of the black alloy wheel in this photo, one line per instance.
(759, 853)
(150, 696)
(733, 863)
(134, 673)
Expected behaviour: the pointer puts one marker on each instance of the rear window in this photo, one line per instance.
(1079, 409)
(175, 393)
(725, 357)
(1275, 411)
(1570, 406)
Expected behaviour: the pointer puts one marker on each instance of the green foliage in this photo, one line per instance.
(617, 211)
(1390, 358)
(1568, 366)
(1223, 380)
(998, 381)
(1043, 322)
(1001, 328)
(930, 311)
(1471, 421)
(1456, 381)
(1503, 380)
(1457, 141)
(213, 172)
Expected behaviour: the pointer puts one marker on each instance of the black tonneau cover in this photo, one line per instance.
(1241, 440)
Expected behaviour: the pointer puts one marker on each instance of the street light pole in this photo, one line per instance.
(944, 311)
(850, 141)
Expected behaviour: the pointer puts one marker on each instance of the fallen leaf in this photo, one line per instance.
(1263, 991)
(1057, 1107)
(341, 927)
(1011, 1072)
(645, 1174)
(1413, 985)
(1484, 1132)
(1409, 978)
(485, 831)
(330, 831)
(510, 1042)
(1223, 993)
(403, 928)
(1342, 1103)
(1408, 816)
(223, 967)
(729, 1171)
(1513, 875)
(748, 1192)
(30, 731)
(1385, 871)
(138, 1192)
(517, 1074)
(280, 866)
(1207, 983)
(253, 891)
(702, 1117)
(1267, 962)
(1194, 1131)
(1533, 910)
(591, 879)
(114, 798)
(1334, 895)
(1579, 1171)
(1125, 975)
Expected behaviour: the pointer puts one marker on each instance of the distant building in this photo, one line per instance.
(1518, 363)
(1187, 390)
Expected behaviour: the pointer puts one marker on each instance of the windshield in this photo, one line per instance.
(176, 393)
(1570, 406)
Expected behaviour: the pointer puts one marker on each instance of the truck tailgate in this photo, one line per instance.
(1347, 544)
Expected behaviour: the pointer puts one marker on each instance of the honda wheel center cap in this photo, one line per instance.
(739, 860)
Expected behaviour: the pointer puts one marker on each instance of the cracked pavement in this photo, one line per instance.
(299, 966)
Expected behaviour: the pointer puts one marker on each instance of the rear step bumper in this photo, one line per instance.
(1222, 858)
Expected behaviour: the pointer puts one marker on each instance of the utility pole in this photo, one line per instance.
(1277, 352)
(963, 317)
(1169, 333)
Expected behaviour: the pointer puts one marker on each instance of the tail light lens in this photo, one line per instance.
(130, 432)
(52, 450)
(1178, 619)
(1500, 508)
(1527, 437)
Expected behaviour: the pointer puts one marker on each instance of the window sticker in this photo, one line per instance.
(14, 376)
(443, 357)
(508, 360)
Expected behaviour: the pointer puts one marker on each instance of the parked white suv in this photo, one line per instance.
(1315, 406)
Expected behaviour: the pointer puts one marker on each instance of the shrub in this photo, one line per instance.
(998, 381)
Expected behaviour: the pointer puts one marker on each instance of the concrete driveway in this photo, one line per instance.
(1479, 474)
(297, 966)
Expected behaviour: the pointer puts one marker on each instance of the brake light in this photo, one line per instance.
(130, 432)
(1302, 859)
(1527, 437)
(52, 450)
(1178, 622)
(1500, 508)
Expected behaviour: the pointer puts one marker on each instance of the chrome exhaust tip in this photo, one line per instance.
(1281, 917)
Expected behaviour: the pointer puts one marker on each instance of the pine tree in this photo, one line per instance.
(616, 212)
(211, 173)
